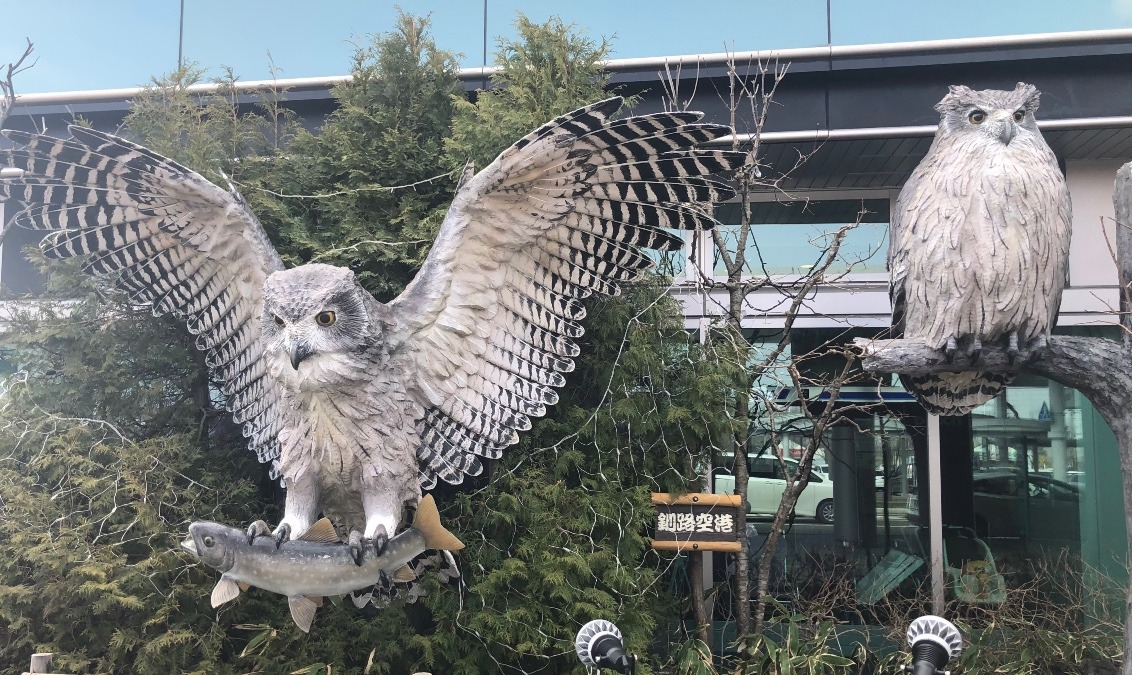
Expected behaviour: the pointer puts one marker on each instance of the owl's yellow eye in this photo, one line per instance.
(977, 116)
(1019, 115)
(279, 321)
(325, 318)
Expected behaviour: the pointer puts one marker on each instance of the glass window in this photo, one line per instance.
(17, 274)
(1030, 483)
(764, 467)
(671, 263)
(790, 237)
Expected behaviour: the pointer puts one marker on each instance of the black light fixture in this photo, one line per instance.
(599, 645)
(934, 642)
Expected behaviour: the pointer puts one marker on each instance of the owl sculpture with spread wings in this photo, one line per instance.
(979, 245)
(358, 405)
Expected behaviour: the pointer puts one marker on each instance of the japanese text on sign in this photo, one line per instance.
(722, 523)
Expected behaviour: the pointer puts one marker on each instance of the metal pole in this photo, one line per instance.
(1058, 433)
(181, 38)
(484, 66)
(935, 516)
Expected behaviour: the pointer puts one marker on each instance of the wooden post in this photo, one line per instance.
(40, 663)
(1100, 368)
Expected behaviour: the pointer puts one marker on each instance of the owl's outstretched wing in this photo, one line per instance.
(166, 236)
(488, 322)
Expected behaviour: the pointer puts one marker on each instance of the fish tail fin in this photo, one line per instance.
(427, 522)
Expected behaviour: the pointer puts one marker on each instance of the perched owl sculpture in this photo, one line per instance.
(359, 405)
(980, 242)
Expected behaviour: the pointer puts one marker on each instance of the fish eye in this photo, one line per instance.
(208, 542)
(325, 318)
(1019, 115)
(279, 321)
(977, 116)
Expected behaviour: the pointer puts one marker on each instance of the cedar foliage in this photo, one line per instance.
(101, 472)
(110, 450)
(373, 189)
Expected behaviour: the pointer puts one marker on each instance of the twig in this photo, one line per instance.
(7, 85)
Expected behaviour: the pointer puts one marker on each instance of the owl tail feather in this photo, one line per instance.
(955, 393)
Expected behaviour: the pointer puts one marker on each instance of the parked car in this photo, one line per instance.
(1039, 508)
(768, 482)
(893, 477)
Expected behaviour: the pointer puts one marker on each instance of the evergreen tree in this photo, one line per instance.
(102, 471)
(368, 191)
(550, 69)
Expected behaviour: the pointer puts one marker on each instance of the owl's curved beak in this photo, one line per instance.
(296, 352)
(1004, 128)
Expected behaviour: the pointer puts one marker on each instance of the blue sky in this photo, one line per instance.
(83, 44)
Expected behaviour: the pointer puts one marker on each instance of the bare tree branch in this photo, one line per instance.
(7, 84)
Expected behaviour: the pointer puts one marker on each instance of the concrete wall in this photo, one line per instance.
(1090, 186)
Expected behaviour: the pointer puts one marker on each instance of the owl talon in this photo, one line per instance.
(357, 547)
(281, 534)
(976, 350)
(380, 541)
(951, 348)
(257, 529)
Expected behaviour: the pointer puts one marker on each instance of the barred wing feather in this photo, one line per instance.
(167, 237)
(488, 324)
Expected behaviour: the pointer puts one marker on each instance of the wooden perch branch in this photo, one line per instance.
(1099, 368)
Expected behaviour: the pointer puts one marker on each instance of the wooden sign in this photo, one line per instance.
(696, 522)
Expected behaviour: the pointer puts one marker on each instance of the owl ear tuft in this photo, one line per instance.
(1029, 94)
(954, 93)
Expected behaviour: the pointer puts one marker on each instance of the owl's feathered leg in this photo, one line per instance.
(951, 348)
(976, 349)
(300, 509)
(383, 513)
(1012, 350)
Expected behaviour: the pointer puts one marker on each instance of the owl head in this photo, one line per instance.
(999, 114)
(313, 310)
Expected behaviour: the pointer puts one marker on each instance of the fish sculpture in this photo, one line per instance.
(313, 566)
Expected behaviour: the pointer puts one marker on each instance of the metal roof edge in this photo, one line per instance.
(911, 131)
(885, 49)
(889, 49)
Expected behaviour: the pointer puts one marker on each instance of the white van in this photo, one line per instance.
(767, 483)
